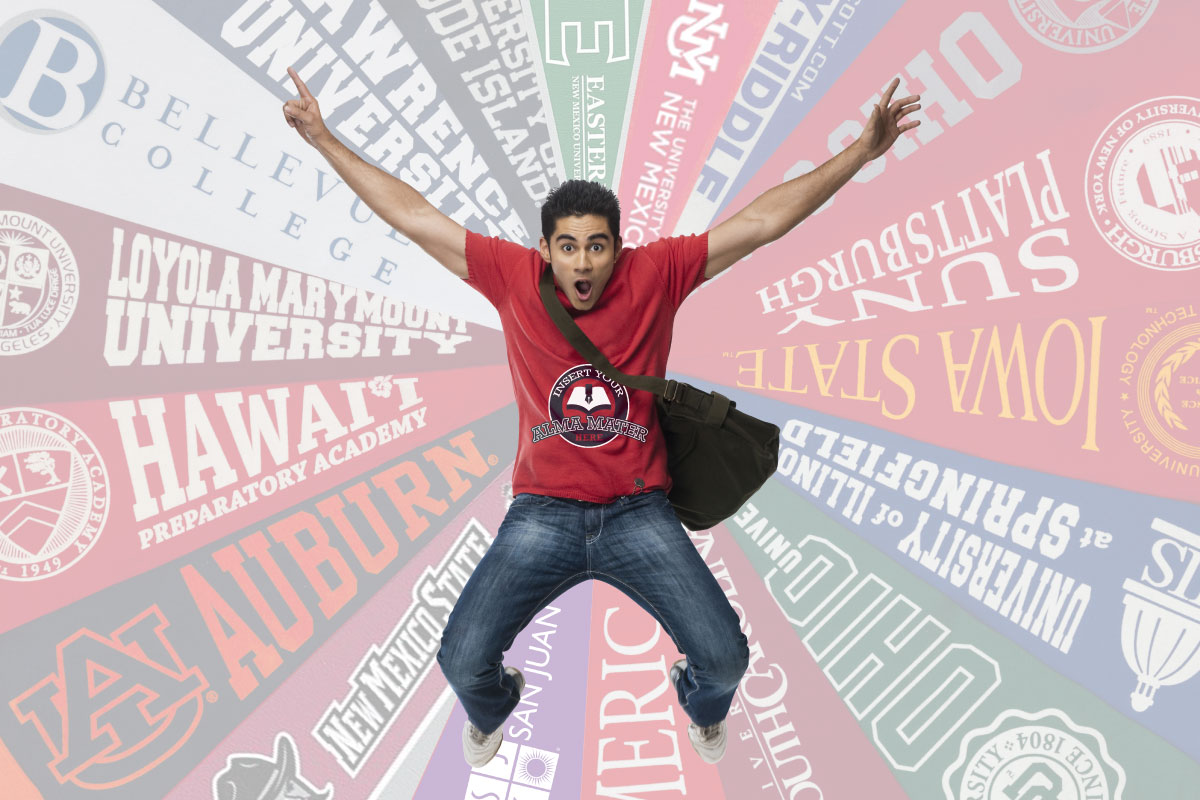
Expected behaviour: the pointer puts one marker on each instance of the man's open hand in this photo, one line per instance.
(303, 114)
(883, 128)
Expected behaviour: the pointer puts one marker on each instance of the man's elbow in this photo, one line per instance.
(771, 228)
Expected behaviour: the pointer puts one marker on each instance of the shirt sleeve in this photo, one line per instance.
(491, 263)
(681, 261)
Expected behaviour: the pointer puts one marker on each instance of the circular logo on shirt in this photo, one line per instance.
(588, 410)
(1143, 183)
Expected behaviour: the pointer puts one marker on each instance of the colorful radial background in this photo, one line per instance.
(253, 441)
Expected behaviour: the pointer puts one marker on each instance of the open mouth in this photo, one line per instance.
(583, 289)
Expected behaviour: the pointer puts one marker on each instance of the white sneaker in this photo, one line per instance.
(708, 741)
(478, 747)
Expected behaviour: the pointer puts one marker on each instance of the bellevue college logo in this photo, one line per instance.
(51, 71)
(588, 410)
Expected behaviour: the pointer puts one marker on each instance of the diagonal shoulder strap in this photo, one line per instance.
(584, 346)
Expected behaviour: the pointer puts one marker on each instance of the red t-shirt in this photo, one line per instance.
(581, 436)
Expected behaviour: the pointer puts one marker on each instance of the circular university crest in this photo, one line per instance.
(53, 494)
(1159, 390)
(39, 283)
(1168, 391)
(1043, 755)
(1082, 26)
(1143, 183)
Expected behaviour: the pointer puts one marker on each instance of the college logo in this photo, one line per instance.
(39, 283)
(588, 410)
(394, 667)
(117, 707)
(1082, 26)
(1143, 183)
(565, 21)
(692, 39)
(53, 494)
(1160, 391)
(51, 71)
(1043, 756)
(1160, 630)
(517, 772)
(250, 776)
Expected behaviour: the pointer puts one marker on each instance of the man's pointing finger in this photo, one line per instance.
(300, 87)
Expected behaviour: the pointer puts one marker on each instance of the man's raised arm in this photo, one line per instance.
(778, 210)
(396, 203)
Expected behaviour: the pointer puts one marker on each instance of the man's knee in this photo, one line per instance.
(727, 666)
(461, 663)
(741, 659)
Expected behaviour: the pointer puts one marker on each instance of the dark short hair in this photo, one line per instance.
(576, 198)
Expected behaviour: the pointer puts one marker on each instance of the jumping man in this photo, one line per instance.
(587, 505)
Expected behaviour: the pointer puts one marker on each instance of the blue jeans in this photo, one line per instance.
(545, 546)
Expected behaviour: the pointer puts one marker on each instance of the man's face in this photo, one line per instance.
(581, 252)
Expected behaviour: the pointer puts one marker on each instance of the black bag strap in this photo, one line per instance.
(669, 390)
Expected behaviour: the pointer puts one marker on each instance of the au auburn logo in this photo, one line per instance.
(117, 707)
